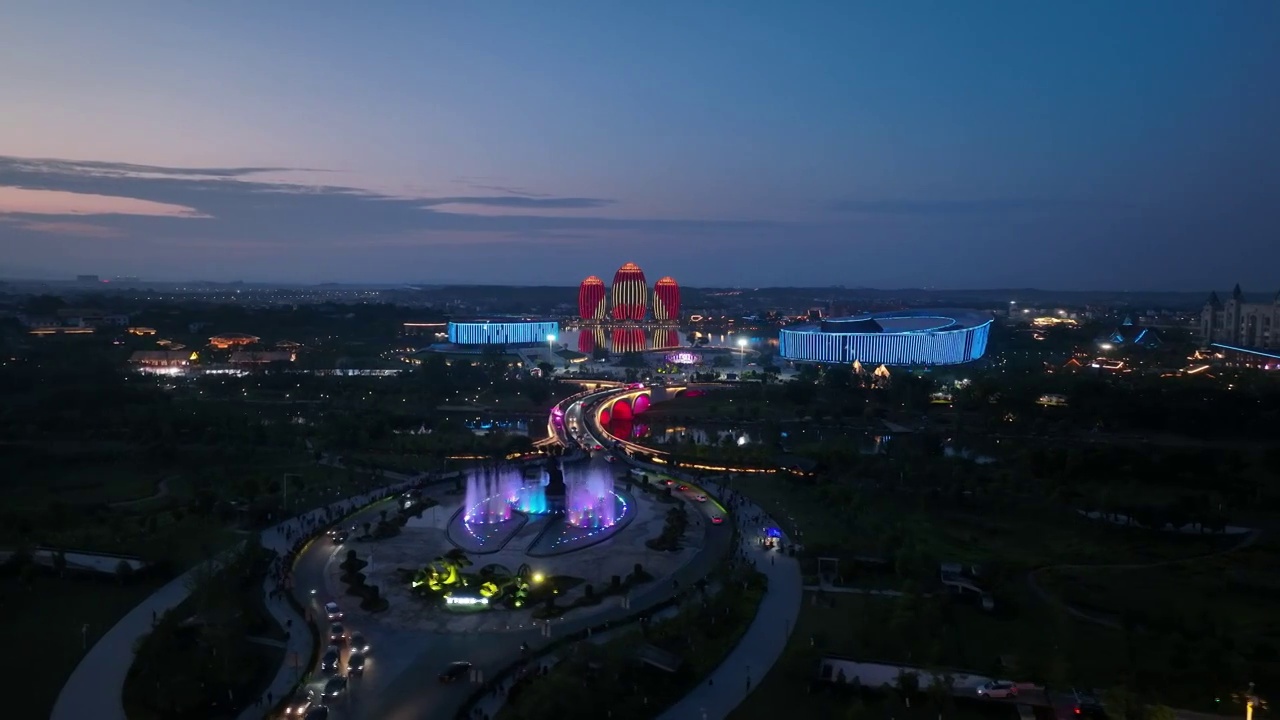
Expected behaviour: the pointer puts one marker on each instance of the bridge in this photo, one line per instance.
(583, 419)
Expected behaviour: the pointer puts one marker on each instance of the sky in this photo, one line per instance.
(1090, 144)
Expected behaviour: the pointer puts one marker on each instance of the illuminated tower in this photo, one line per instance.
(591, 299)
(630, 293)
(666, 299)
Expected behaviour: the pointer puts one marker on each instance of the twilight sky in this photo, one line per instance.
(1089, 144)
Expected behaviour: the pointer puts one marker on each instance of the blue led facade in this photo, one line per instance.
(502, 332)
(908, 337)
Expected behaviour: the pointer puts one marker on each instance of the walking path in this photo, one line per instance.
(764, 641)
(96, 687)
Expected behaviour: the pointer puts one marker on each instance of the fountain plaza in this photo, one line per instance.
(571, 522)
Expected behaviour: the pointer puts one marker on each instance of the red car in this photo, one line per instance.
(716, 519)
(683, 487)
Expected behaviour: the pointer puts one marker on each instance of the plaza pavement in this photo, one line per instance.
(764, 641)
(96, 687)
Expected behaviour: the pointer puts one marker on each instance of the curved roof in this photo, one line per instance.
(929, 320)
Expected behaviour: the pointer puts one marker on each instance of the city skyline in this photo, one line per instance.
(917, 144)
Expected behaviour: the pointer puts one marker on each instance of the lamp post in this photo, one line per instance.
(742, 353)
(550, 340)
(1250, 700)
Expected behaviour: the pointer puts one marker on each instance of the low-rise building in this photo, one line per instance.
(161, 361)
(224, 341)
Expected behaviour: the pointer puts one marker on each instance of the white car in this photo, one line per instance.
(998, 689)
(332, 609)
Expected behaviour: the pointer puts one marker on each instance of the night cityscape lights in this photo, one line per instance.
(502, 332)
(630, 293)
(908, 337)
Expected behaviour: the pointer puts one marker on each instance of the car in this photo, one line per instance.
(683, 488)
(337, 633)
(339, 537)
(455, 671)
(333, 611)
(298, 704)
(998, 689)
(700, 498)
(334, 688)
(359, 643)
(597, 446)
(611, 459)
(355, 664)
(319, 712)
(716, 519)
(329, 661)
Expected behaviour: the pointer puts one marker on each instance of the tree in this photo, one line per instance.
(1122, 704)
(124, 571)
(546, 368)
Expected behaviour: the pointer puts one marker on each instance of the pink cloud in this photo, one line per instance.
(57, 202)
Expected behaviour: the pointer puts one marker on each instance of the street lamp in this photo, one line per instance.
(550, 339)
(1250, 700)
(742, 353)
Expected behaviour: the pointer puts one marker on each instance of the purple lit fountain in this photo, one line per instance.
(591, 500)
(488, 496)
(492, 494)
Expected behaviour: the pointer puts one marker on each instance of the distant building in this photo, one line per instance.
(1240, 324)
(666, 299)
(228, 340)
(592, 299)
(1133, 335)
(87, 279)
(142, 331)
(160, 361)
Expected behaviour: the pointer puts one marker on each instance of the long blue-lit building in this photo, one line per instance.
(900, 337)
(502, 332)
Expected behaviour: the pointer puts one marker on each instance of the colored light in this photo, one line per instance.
(484, 332)
(942, 343)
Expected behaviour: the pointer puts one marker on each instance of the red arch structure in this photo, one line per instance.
(621, 410)
(640, 404)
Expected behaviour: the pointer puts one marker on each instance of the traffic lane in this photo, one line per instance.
(417, 692)
(310, 569)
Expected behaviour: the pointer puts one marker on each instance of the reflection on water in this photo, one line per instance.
(621, 339)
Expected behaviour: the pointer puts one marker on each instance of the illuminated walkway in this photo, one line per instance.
(762, 644)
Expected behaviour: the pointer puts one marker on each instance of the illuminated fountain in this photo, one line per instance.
(493, 493)
(591, 501)
(488, 496)
(531, 497)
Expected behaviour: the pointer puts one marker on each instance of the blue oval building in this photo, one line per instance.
(900, 337)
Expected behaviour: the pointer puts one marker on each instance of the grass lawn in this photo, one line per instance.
(45, 627)
(1026, 535)
(1200, 625)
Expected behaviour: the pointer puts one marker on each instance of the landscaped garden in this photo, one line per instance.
(611, 678)
(214, 653)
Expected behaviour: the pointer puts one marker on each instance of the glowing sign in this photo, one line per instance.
(684, 357)
(454, 600)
